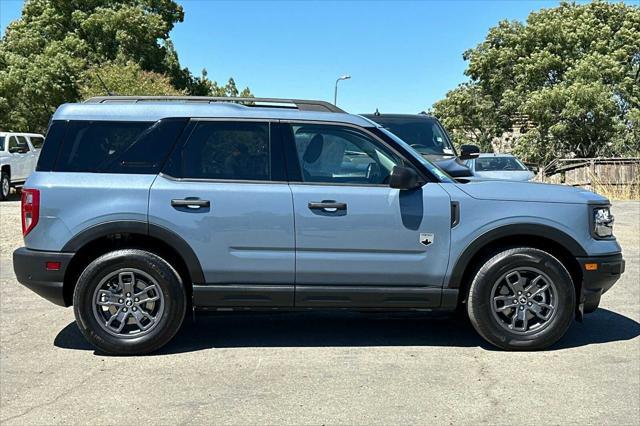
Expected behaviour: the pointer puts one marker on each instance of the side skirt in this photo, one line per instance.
(241, 296)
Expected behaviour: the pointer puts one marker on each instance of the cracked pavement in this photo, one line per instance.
(320, 368)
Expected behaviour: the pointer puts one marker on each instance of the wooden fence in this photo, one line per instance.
(590, 172)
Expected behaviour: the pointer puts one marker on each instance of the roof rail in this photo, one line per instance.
(300, 104)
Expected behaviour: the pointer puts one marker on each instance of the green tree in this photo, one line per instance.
(127, 79)
(469, 115)
(574, 71)
(50, 55)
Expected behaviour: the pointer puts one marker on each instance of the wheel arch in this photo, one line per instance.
(100, 239)
(552, 240)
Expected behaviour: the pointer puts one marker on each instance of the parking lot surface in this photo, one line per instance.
(320, 368)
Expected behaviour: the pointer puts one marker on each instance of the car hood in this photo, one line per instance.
(529, 191)
(521, 175)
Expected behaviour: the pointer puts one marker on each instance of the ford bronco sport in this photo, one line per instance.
(144, 208)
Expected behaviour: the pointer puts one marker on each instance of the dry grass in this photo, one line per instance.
(630, 191)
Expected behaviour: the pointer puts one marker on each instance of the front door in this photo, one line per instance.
(225, 194)
(356, 237)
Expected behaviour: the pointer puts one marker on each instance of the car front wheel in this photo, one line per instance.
(129, 302)
(522, 299)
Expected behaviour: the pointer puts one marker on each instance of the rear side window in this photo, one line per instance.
(228, 151)
(49, 152)
(116, 147)
(37, 141)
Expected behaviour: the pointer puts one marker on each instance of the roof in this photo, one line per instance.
(152, 110)
(403, 117)
(20, 134)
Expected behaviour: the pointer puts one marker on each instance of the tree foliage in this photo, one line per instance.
(573, 71)
(55, 52)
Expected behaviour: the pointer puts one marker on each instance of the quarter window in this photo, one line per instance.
(114, 146)
(336, 154)
(228, 151)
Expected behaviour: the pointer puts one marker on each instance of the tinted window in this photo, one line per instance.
(117, 147)
(232, 150)
(335, 154)
(1, 143)
(49, 152)
(37, 141)
(423, 134)
(492, 164)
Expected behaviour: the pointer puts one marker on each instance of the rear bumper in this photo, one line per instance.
(30, 267)
(596, 282)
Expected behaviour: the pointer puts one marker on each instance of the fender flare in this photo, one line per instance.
(522, 229)
(139, 227)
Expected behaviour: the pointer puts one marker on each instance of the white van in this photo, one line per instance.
(18, 157)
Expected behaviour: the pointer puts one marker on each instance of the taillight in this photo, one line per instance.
(30, 209)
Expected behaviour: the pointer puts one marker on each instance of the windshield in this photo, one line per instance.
(424, 134)
(494, 164)
(1, 143)
(429, 165)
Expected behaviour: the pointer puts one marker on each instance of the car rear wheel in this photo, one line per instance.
(522, 299)
(129, 302)
(5, 186)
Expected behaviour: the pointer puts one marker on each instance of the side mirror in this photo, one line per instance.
(469, 152)
(404, 178)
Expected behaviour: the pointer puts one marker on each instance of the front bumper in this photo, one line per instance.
(596, 282)
(30, 267)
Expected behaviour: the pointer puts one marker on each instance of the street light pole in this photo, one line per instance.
(335, 92)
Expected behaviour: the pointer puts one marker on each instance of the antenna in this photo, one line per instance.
(103, 85)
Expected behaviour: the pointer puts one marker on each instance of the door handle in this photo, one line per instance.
(327, 206)
(190, 203)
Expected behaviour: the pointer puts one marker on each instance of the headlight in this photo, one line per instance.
(602, 222)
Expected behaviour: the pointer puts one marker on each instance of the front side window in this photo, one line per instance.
(337, 154)
(227, 151)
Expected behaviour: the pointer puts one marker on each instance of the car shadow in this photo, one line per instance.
(342, 329)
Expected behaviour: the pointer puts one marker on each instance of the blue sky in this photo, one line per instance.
(402, 55)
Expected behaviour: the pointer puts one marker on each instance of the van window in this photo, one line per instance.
(227, 150)
(117, 147)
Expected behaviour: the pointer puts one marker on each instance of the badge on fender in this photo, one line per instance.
(426, 238)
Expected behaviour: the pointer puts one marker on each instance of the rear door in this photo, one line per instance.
(224, 192)
(360, 243)
(19, 152)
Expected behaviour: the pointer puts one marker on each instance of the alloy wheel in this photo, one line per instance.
(524, 300)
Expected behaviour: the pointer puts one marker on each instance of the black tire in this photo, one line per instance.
(5, 186)
(488, 320)
(172, 293)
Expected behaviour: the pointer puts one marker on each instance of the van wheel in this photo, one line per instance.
(129, 302)
(5, 186)
(522, 299)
